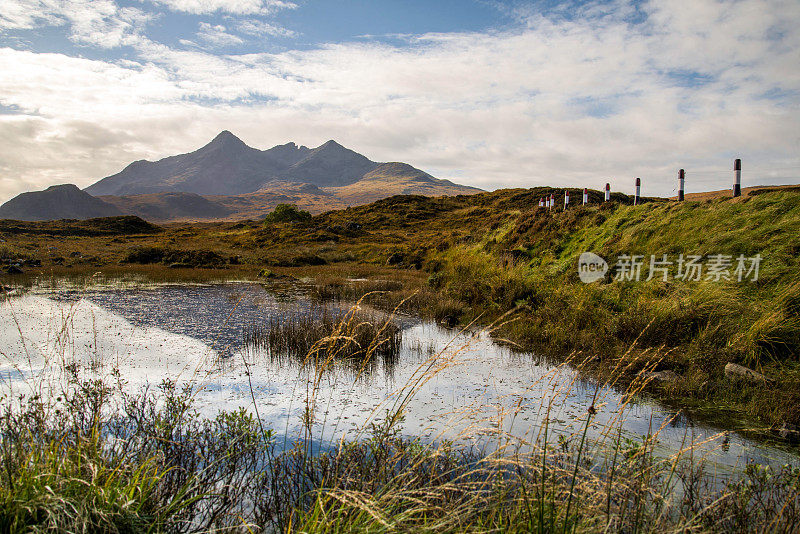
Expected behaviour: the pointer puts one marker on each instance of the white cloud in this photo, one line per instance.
(217, 35)
(239, 7)
(262, 28)
(99, 23)
(26, 14)
(562, 101)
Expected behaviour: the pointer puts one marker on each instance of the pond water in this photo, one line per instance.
(451, 385)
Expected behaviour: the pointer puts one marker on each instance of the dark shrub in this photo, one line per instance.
(179, 258)
(300, 261)
(287, 213)
(146, 255)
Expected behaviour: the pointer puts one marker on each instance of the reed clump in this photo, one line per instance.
(404, 296)
(325, 335)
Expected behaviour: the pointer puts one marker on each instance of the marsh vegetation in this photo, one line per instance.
(324, 336)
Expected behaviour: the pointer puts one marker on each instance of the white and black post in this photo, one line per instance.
(566, 198)
(681, 176)
(585, 196)
(737, 177)
(552, 200)
(638, 191)
(608, 192)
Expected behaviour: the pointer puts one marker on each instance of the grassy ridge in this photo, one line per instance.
(692, 328)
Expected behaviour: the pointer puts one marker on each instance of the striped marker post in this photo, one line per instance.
(608, 192)
(552, 200)
(737, 177)
(566, 199)
(681, 176)
(585, 196)
(638, 191)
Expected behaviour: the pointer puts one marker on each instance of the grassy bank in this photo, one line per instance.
(691, 328)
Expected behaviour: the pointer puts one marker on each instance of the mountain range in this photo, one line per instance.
(227, 180)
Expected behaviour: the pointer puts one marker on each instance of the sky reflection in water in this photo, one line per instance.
(467, 388)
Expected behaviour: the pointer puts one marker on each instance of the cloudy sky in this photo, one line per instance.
(486, 93)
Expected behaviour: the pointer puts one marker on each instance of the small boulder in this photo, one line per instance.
(395, 259)
(790, 433)
(266, 273)
(449, 321)
(13, 269)
(736, 371)
(662, 376)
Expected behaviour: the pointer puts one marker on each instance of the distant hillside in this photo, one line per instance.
(169, 206)
(101, 226)
(395, 178)
(56, 202)
(746, 191)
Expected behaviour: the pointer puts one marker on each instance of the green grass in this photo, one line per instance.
(691, 328)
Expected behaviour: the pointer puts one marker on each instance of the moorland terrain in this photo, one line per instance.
(477, 258)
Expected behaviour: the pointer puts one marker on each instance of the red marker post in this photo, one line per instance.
(608, 192)
(566, 199)
(585, 196)
(638, 191)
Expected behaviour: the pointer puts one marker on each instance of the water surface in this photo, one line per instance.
(452, 385)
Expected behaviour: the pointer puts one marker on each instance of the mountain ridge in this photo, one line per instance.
(64, 201)
(228, 166)
(226, 179)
